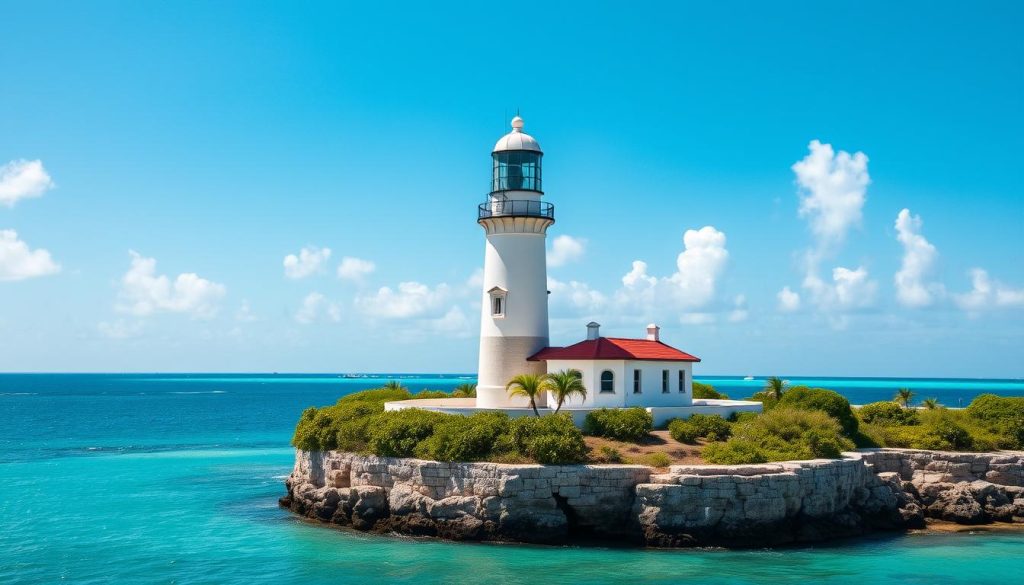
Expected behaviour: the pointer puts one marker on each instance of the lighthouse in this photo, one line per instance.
(514, 307)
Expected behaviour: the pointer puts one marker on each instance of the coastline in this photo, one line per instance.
(742, 506)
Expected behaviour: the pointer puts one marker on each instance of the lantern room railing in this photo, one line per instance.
(515, 208)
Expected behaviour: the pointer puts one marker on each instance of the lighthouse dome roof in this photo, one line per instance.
(517, 139)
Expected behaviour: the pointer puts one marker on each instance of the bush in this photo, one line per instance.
(767, 400)
(707, 391)
(430, 394)
(623, 424)
(1003, 416)
(551, 439)
(711, 426)
(658, 459)
(467, 438)
(683, 431)
(608, 454)
(396, 434)
(779, 435)
(827, 401)
(887, 413)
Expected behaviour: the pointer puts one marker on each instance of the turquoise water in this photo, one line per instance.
(175, 479)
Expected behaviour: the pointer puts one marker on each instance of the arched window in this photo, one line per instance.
(607, 381)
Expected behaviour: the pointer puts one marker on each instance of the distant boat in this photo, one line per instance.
(749, 378)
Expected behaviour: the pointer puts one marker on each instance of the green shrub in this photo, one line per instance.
(396, 434)
(467, 438)
(623, 424)
(887, 413)
(827, 401)
(657, 459)
(767, 400)
(707, 391)
(608, 454)
(430, 394)
(380, 395)
(779, 435)
(711, 426)
(1002, 416)
(683, 431)
(550, 439)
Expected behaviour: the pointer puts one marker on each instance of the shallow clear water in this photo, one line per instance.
(175, 479)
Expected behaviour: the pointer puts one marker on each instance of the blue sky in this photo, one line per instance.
(215, 140)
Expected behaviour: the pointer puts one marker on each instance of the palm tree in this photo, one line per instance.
(904, 396)
(774, 387)
(527, 386)
(467, 390)
(564, 384)
(931, 403)
(393, 385)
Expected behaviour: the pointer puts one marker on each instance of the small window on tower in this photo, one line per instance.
(499, 298)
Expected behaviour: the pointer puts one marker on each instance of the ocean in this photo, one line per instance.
(174, 478)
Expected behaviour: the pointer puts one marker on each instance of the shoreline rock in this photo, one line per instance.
(691, 505)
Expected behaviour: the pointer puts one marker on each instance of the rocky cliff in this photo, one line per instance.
(741, 505)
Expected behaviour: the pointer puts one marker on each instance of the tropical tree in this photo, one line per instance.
(393, 385)
(931, 403)
(527, 386)
(467, 390)
(774, 387)
(564, 384)
(904, 396)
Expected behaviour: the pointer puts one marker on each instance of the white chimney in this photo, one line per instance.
(593, 330)
(653, 332)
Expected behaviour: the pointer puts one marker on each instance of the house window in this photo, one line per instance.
(682, 381)
(498, 302)
(607, 381)
(636, 381)
(664, 381)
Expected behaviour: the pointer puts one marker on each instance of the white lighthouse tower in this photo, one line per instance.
(514, 316)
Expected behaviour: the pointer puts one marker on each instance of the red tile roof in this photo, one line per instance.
(614, 348)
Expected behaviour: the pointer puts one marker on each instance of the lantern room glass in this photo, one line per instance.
(516, 170)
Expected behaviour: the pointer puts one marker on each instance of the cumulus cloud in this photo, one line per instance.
(19, 262)
(912, 288)
(833, 188)
(355, 268)
(411, 299)
(565, 249)
(637, 277)
(789, 301)
(739, 312)
(307, 263)
(316, 307)
(987, 293)
(575, 296)
(22, 179)
(143, 292)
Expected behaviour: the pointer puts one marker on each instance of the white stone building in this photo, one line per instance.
(617, 372)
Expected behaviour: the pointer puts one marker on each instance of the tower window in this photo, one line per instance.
(607, 381)
(516, 170)
(499, 297)
(682, 381)
(664, 381)
(636, 381)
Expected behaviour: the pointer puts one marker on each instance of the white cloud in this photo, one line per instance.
(739, 312)
(307, 263)
(986, 294)
(144, 293)
(696, 318)
(411, 299)
(21, 179)
(244, 313)
(316, 307)
(637, 277)
(19, 262)
(120, 329)
(919, 256)
(565, 249)
(789, 301)
(355, 268)
(833, 189)
(700, 265)
(575, 296)
(850, 289)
